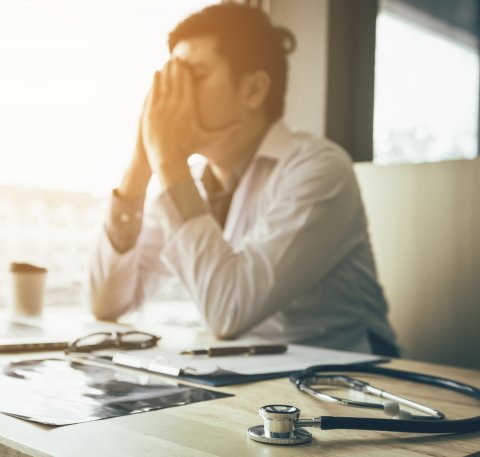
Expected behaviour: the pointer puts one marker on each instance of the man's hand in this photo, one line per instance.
(170, 128)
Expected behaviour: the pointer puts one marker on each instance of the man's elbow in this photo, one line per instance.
(102, 308)
(102, 312)
(224, 334)
(226, 329)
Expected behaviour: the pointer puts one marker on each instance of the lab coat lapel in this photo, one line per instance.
(237, 221)
(276, 145)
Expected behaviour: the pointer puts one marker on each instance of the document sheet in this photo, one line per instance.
(296, 358)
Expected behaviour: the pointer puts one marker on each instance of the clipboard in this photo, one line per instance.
(224, 371)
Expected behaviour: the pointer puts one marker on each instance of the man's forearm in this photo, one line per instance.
(135, 180)
(126, 208)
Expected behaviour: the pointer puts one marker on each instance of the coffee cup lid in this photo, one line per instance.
(26, 268)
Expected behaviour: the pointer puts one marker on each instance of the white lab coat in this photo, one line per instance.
(293, 263)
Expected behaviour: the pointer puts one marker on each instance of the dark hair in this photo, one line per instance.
(248, 41)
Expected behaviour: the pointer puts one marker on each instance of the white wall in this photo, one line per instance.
(425, 228)
(306, 98)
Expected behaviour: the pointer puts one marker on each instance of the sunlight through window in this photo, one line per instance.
(73, 78)
(426, 93)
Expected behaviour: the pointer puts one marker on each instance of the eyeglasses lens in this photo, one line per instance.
(107, 340)
(135, 338)
(93, 340)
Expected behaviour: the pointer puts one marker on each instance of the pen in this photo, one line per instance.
(257, 349)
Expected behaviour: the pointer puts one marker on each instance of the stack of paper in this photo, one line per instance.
(296, 358)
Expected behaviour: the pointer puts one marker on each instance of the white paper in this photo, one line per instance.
(296, 358)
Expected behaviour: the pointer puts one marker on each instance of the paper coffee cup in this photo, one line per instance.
(27, 289)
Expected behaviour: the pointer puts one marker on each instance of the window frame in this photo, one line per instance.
(351, 75)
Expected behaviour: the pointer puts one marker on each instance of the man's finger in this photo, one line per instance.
(176, 82)
(166, 84)
(187, 82)
(147, 106)
(155, 90)
(186, 102)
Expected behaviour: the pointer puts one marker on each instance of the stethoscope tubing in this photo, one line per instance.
(397, 425)
(437, 381)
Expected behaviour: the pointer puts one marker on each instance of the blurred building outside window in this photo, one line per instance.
(73, 79)
(426, 88)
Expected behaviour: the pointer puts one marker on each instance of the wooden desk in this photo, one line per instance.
(218, 427)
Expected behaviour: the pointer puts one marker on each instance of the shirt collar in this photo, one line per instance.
(277, 143)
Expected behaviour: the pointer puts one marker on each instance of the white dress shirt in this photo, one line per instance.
(292, 264)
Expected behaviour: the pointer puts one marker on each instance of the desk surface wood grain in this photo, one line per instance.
(218, 427)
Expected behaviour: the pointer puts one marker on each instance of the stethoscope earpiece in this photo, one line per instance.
(391, 408)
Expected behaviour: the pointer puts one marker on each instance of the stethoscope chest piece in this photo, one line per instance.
(279, 426)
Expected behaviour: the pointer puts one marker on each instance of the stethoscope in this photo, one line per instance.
(282, 423)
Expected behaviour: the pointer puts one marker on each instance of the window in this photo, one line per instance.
(74, 76)
(426, 85)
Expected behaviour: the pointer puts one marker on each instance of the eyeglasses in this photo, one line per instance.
(112, 340)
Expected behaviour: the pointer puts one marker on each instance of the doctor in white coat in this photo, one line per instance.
(269, 236)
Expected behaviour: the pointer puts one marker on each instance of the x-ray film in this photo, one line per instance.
(63, 392)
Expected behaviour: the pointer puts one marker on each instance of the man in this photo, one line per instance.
(271, 240)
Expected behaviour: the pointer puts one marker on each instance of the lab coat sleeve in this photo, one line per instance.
(119, 282)
(309, 225)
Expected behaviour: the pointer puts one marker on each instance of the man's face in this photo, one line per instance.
(218, 101)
